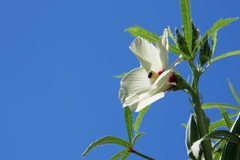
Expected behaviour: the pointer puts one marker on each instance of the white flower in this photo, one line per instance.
(145, 85)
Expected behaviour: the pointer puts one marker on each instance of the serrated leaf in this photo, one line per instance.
(187, 22)
(138, 31)
(214, 42)
(125, 156)
(225, 55)
(137, 137)
(221, 122)
(233, 91)
(217, 105)
(171, 36)
(151, 37)
(226, 118)
(139, 119)
(129, 122)
(107, 140)
(218, 25)
(177, 51)
(121, 75)
(218, 124)
(119, 154)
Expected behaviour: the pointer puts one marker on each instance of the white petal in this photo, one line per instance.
(162, 83)
(162, 46)
(134, 84)
(147, 54)
(196, 148)
(145, 100)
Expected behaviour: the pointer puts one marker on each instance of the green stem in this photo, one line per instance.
(200, 115)
(142, 155)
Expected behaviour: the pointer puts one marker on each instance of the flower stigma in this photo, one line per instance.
(153, 75)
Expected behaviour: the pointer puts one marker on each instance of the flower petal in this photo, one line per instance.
(145, 100)
(162, 46)
(162, 83)
(147, 54)
(134, 84)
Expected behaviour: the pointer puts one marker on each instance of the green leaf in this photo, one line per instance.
(137, 137)
(219, 134)
(125, 156)
(177, 51)
(233, 91)
(151, 37)
(225, 55)
(232, 150)
(187, 22)
(218, 124)
(219, 24)
(121, 75)
(171, 35)
(214, 42)
(217, 105)
(119, 154)
(226, 118)
(218, 151)
(107, 140)
(221, 122)
(139, 119)
(138, 31)
(129, 122)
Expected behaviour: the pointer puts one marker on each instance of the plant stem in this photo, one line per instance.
(142, 155)
(200, 115)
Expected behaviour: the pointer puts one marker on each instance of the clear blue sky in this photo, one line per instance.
(57, 62)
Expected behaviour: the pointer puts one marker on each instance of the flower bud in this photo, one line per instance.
(181, 83)
(181, 42)
(205, 53)
(195, 36)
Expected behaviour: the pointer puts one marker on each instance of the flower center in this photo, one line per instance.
(153, 75)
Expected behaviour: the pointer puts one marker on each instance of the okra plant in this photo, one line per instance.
(141, 87)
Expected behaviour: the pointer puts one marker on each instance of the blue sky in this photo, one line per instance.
(57, 62)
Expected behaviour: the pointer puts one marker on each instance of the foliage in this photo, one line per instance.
(197, 51)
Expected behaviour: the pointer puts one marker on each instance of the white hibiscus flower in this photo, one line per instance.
(145, 85)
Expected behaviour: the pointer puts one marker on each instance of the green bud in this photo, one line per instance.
(205, 53)
(182, 42)
(181, 83)
(195, 36)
